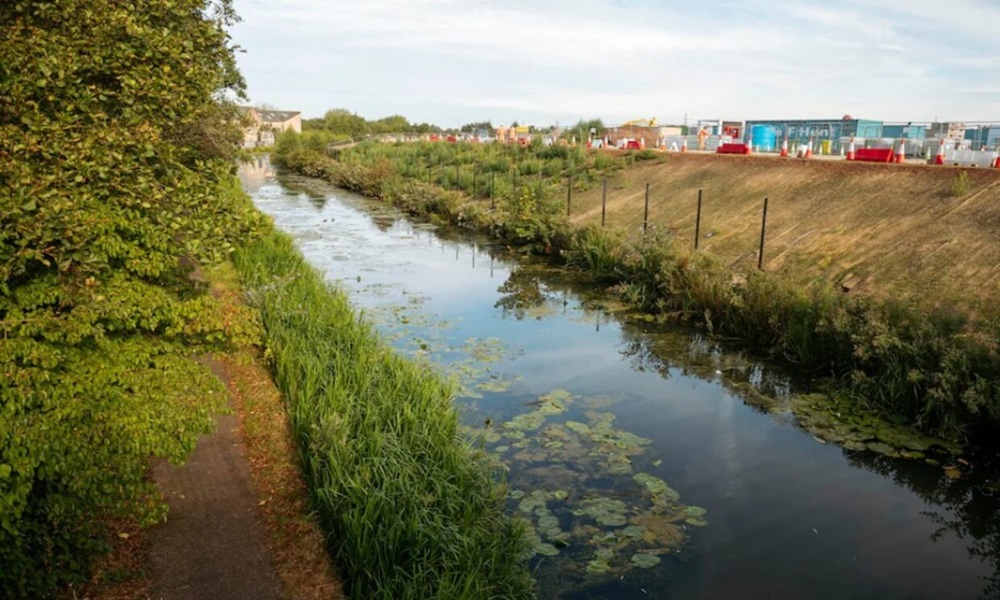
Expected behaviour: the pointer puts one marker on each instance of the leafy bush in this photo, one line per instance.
(116, 183)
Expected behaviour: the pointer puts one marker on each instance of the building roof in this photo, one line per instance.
(277, 116)
(272, 116)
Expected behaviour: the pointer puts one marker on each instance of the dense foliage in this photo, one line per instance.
(415, 512)
(116, 183)
(935, 369)
(340, 123)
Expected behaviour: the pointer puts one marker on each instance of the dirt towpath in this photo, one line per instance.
(213, 544)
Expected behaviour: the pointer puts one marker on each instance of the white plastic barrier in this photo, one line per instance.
(673, 143)
(970, 158)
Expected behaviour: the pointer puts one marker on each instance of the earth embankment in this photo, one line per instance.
(902, 230)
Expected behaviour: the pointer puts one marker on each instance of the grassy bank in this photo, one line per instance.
(906, 361)
(883, 230)
(414, 512)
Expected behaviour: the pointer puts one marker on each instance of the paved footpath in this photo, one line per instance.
(212, 545)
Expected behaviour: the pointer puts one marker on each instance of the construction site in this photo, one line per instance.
(864, 140)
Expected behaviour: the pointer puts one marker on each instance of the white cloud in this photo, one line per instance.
(446, 61)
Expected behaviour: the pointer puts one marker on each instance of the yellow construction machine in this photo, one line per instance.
(640, 122)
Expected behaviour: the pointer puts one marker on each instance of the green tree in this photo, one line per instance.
(343, 122)
(473, 127)
(391, 124)
(118, 127)
(583, 128)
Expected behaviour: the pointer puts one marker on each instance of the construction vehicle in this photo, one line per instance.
(640, 122)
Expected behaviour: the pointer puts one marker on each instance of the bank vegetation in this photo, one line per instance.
(929, 365)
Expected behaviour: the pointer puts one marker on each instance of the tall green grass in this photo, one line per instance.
(411, 510)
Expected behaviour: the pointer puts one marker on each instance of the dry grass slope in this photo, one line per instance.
(879, 229)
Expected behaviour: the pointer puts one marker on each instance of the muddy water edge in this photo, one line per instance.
(651, 461)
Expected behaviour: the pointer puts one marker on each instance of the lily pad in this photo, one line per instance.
(633, 531)
(598, 567)
(546, 549)
(526, 422)
(644, 560)
(612, 520)
(578, 427)
(653, 484)
(605, 554)
(491, 437)
(696, 521)
(694, 511)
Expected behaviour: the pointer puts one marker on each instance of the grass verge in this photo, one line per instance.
(412, 509)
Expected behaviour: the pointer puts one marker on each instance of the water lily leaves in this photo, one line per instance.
(533, 501)
(838, 420)
(696, 521)
(598, 567)
(576, 455)
(653, 484)
(501, 449)
(884, 449)
(492, 437)
(496, 384)
(644, 560)
(546, 549)
(558, 395)
(606, 511)
(554, 403)
(634, 531)
(657, 487)
(694, 511)
(527, 421)
(612, 519)
(547, 521)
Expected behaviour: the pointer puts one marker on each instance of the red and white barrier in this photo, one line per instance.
(900, 155)
(851, 151)
(939, 157)
(784, 148)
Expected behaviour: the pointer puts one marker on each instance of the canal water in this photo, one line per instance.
(640, 454)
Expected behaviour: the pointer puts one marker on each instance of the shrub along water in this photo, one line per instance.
(116, 182)
(411, 510)
(932, 368)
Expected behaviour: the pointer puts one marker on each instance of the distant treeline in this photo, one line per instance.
(340, 123)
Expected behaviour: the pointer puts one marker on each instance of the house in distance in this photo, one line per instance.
(267, 124)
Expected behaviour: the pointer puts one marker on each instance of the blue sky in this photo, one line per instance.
(455, 61)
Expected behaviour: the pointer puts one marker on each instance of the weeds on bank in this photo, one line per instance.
(411, 511)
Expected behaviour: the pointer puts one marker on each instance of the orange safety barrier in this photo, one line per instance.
(733, 149)
(883, 155)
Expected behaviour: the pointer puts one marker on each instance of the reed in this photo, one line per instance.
(410, 508)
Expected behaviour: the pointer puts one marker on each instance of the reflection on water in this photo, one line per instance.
(650, 461)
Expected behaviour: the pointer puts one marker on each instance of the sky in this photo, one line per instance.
(543, 62)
